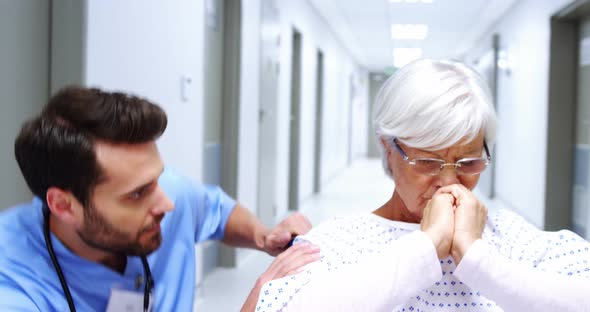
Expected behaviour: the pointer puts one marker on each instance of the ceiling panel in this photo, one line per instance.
(364, 26)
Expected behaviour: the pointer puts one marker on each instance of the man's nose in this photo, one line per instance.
(163, 204)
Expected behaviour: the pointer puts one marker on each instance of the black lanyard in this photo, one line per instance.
(149, 281)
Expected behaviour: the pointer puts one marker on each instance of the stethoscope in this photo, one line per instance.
(149, 281)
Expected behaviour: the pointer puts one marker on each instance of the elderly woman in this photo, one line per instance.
(433, 246)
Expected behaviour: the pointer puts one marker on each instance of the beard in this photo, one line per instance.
(100, 234)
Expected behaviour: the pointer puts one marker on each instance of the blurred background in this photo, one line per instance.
(272, 99)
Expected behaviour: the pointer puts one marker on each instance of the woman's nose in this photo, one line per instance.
(447, 176)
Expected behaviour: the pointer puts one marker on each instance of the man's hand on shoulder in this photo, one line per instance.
(277, 239)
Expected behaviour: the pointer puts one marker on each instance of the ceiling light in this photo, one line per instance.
(409, 31)
(403, 56)
(412, 1)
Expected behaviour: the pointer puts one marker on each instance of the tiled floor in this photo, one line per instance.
(363, 187)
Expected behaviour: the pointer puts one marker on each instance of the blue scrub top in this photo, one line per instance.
(28, 281)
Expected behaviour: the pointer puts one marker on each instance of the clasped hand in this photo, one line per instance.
(454, 218)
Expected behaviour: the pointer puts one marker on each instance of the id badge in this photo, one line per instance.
(127, 301)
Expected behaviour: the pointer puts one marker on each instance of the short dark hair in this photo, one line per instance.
(56, 148)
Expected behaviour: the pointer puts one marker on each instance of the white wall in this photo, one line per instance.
(360, 115)
(523, 106)
(338, 66)
(145, 47)
(336, 117)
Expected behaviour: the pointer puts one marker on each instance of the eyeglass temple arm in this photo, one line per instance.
(485, 146)
(399, 148)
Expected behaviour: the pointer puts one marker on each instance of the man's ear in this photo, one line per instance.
(64, 206)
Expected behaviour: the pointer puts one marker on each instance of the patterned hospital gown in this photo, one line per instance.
(344, 240)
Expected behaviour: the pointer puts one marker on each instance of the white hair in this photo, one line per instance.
(432, 105)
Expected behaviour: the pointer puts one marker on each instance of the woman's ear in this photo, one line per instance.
(385, 145)
(387, 152)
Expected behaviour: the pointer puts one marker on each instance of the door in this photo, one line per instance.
(270, 30)
(581, 175)
(24, 83)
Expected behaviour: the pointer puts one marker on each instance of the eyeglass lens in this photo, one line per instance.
(462, 167)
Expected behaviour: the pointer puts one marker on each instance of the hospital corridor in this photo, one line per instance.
(238, 119)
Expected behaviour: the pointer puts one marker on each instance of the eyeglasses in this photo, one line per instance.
(434, 166)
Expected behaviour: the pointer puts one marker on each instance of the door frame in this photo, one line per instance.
(295, 120)
(563, 67)
(319, 115)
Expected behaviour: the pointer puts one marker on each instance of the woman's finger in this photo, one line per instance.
(299, 263)
(292, 258)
